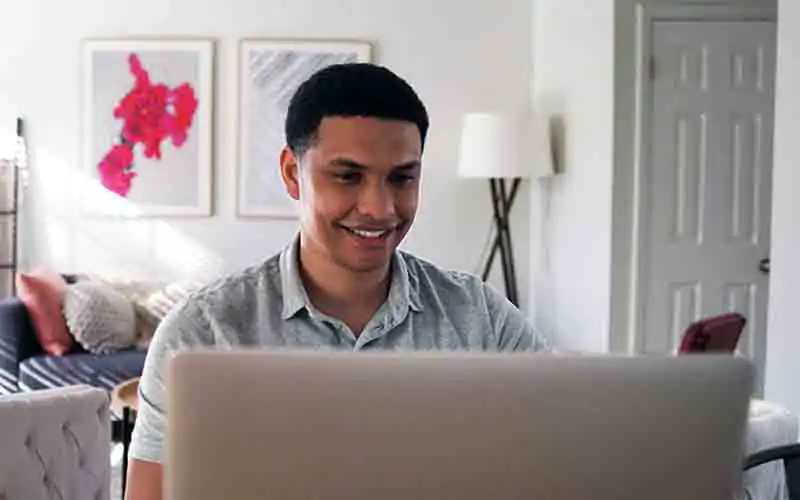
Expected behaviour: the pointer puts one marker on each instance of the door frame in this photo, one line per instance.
(631, 204)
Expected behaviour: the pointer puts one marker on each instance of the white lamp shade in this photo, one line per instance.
(495, 145)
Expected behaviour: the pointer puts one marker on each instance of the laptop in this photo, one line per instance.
(397, 426)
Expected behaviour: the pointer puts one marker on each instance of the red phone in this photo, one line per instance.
(717, 334)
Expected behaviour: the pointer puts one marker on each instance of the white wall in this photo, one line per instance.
(573, 74)
(460, 56)
(783, 339)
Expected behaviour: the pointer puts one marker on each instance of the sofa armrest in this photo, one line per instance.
(17, 342)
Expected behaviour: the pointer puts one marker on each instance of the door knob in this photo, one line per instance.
(763, 266)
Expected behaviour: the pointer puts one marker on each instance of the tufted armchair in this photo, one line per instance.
(54, 444)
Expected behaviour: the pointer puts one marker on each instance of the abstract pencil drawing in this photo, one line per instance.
(270, 73)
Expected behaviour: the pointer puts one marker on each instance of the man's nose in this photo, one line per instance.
(377, 202)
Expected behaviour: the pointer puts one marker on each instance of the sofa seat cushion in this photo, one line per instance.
(98, 370)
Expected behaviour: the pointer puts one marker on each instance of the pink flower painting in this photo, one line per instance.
(151, 113)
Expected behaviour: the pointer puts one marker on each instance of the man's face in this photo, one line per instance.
(358, 188)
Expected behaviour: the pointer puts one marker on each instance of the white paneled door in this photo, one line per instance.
(710, 179)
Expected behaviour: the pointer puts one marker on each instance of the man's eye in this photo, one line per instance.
(348, 177)
(402, 179)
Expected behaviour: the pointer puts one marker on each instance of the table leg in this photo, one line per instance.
(126, 441)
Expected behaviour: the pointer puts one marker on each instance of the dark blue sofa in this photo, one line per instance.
(25, 367)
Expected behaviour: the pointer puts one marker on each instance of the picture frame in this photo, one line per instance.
(147, 126)
(270, 71)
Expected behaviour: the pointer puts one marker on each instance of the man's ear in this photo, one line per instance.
(290, 172)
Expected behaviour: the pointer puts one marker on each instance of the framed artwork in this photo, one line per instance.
(147, 126)
(269, 74)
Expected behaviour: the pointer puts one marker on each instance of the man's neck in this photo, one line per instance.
(341, 293)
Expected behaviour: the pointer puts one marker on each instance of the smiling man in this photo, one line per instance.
(355, 135)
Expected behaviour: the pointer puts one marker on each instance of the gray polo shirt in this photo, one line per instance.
(267, 306)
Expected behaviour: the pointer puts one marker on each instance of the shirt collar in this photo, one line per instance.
(294, 294)
(403, 293)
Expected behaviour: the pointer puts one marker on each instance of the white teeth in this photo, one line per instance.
(369, 234)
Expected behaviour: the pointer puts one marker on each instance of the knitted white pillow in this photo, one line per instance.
(100, 318)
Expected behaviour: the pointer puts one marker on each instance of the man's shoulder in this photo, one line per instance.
(427, 278)
(242, 282)
(234, 291)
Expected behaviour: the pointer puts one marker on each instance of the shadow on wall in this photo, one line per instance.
(558, 142)
(60, 233)
(550, 108)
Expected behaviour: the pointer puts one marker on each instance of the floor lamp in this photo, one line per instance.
(493, 148)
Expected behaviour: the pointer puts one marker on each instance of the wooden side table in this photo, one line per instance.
(125, 396)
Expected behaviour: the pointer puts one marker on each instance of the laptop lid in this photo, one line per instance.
(300, 426)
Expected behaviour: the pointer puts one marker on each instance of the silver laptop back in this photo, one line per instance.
(422, 426)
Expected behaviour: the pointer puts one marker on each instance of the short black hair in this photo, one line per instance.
(349, 90)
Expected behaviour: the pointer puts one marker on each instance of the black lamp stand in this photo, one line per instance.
(502, 200)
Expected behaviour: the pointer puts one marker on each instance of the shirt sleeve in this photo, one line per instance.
(512, 329)
(176, 331)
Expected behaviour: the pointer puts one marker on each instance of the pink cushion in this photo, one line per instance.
(43, 296)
